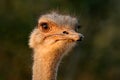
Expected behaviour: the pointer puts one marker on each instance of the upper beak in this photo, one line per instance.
(76, 36)
(73, 35)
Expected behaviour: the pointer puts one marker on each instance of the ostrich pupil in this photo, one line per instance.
(45, 26)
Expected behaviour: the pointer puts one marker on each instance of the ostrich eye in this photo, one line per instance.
(44, 27)
(77, 27)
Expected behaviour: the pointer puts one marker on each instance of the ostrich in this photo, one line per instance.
(54, 36)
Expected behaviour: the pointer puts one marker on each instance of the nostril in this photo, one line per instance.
(65, 32)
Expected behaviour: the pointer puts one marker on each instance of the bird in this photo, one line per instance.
(53, 37)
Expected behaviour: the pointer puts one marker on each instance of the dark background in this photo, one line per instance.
(96, 58)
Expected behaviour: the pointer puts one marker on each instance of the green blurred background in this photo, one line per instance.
(96, 58)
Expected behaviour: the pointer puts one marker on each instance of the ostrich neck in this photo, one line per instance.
(46, 64)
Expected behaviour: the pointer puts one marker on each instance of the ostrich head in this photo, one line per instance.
(55, 31)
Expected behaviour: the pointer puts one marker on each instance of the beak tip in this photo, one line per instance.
(81, 38)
